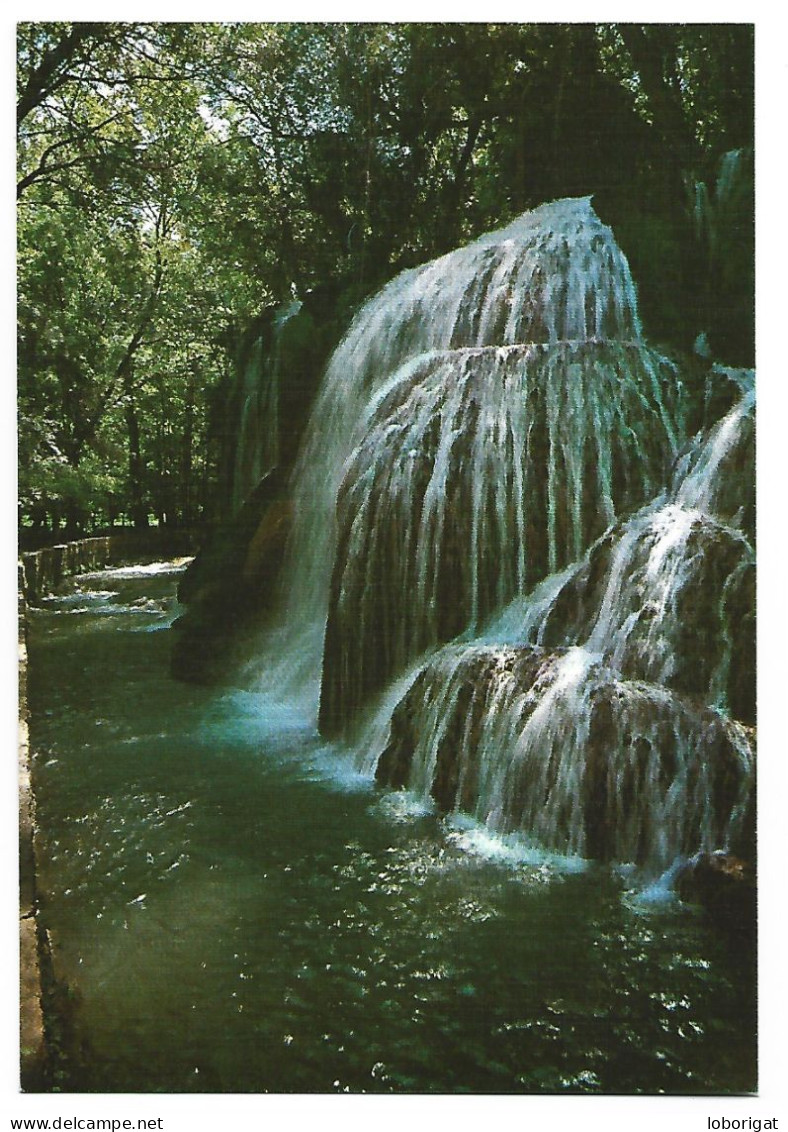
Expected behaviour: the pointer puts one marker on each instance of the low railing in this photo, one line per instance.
(44, 569)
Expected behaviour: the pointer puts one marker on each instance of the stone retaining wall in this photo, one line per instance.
(32, 1048)
(43, 569)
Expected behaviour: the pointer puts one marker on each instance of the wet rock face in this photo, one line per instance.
(232, 587)
(278, 371)
(724, 885)
(683, 614)
(553, 746)
(481, 471)
(455, 722)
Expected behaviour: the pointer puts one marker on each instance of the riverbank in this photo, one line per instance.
(32, 1047)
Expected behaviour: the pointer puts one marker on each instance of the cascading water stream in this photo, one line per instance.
(587, 748)
(555, 275)
(700, 479)
(480, 472)
(681, 566)
(486, 418)
(257, 443)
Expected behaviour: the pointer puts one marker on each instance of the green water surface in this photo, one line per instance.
(233, 909)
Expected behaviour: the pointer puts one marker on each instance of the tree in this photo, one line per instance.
(177, 180)
(110, 147)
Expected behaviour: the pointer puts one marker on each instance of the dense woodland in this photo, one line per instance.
(178, 181)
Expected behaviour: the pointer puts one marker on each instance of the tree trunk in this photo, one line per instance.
(186, 488)
(137, 507)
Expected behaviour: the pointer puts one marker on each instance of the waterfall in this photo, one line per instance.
(492, 568)
(703, 477)
(600, 725)
(257, 441)
(480, 472)
(556, 747)
(662, 596)
(508, 385)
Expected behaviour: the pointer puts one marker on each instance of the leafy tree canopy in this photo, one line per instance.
(176, 180)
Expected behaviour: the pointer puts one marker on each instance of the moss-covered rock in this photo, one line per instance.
(553, 746)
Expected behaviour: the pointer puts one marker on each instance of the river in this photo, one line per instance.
(234, 909)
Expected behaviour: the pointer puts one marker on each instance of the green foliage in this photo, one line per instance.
(175, 180)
